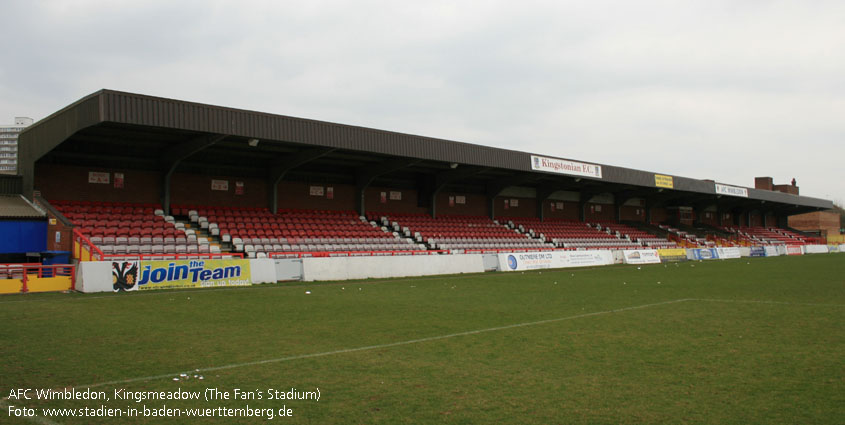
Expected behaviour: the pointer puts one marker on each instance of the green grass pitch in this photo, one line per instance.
(746, 341)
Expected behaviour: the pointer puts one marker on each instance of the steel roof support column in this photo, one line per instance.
(650, 204)
(783, 220)
(285, 164)
(619, 199)
(446, 177)
(582, 207)
(171, 159)
(584, 197)
(496, 187)
(365, 176)
(698, 211)
(543, 194)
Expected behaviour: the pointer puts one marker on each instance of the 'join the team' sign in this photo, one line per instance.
(145, 275)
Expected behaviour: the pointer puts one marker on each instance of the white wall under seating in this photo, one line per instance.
(94, 276)
(262, 270)
(816, 249)
(341, 268)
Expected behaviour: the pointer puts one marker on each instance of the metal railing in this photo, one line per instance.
(28, 272)
(301, 254)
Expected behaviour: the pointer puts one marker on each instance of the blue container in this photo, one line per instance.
(49, 258)
(55, 257)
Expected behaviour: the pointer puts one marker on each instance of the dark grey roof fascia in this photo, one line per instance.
(142, 110)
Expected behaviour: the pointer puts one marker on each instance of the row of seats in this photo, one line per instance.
(103, 207)
(149, 240)
(621, 244)
(658, 243)
(694, 240)
(572, 234)
(559, 229)
(131, 229)
(117, 223)
(74, 216)
(159, 249)
(459, 232)
(259, 231)
(765, 236)
(250, 249)
(506, 246)
(204, 210)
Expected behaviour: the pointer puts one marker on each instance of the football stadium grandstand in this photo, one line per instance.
(126, 177)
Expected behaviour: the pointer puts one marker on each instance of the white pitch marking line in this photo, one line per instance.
(379, 346)
(713, 300)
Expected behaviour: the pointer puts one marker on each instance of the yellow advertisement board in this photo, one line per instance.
(168, 274)
(661, 180)
(672, 254)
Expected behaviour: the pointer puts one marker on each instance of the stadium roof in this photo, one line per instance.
(126, 130)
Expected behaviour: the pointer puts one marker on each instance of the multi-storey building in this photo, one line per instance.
(9, 144)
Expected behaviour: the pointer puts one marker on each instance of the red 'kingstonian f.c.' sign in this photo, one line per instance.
(562, 166)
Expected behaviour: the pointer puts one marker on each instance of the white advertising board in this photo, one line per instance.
(816, 249)
(771, 251)
(641, 256)
(343, 268)
(563, 166)
(729, 252)
(723, 189)
(553, 260)
(794, 250)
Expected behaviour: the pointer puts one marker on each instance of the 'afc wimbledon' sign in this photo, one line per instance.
(723, 189)
(562, 166)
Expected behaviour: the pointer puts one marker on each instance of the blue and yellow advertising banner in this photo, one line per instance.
(170, 274)
(758, 251)
(661, 180)
(705, 254)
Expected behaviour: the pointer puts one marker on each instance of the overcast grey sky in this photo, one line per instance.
(725, 90)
